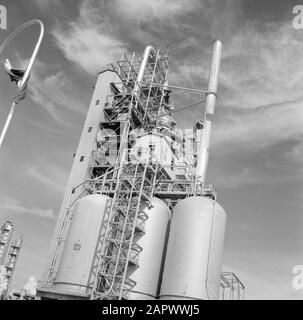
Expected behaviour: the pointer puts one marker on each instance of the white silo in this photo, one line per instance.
(78, 254)
(196, 241)
(195, 248)
(151, 259)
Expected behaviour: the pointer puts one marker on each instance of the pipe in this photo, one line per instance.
(195, 144)
(148, 51)
(7, 123)
(211, 98)
(167, 87)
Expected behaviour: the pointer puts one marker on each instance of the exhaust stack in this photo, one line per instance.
(211, 97)
(148, 51)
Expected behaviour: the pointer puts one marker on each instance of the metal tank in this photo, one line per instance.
(78, 254)
(151, 259)
(194, 254)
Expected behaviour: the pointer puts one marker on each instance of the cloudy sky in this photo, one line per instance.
(257, 149)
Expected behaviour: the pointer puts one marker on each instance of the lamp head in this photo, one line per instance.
(16, 75)
(199, 125)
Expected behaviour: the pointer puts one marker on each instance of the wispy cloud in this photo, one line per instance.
(51, 176)
(88, 41)
(144, 10)
(103, 30)
(46, 4)
(260, 95)
(16, 206)
(264, 274)
(55, 94)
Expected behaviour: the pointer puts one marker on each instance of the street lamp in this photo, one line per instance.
(21, 77)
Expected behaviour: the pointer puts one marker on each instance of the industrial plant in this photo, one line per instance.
(139, 220)
(10, 247)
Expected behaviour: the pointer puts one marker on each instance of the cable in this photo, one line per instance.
(184, 108)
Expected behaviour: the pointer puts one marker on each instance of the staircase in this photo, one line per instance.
(124, 227)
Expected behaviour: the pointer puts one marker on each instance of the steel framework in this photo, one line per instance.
(139, 103)
(125, 226)
(13, 258)
(9, 252)
(231, 287)
(133, 106)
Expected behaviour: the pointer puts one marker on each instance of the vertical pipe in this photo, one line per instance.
(211, 98)
(144, 62)
(195, 144)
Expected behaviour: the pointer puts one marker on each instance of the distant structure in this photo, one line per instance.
(9, 252)
(21, 295)
(6, 238)
(27, 293)
(139, 219)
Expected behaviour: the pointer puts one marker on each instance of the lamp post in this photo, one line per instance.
(21, 77)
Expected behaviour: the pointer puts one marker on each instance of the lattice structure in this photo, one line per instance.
(132, 186)
(6, 237)
(9, 252)
(145, 97)
(231, 287)
(13, 258)
(132, 108)
(120, 252)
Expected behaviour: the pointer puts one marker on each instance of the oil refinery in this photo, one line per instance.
(139, 220)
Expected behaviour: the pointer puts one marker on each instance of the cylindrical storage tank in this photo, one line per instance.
(195, 248)
(79, 250)
(151, 259)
